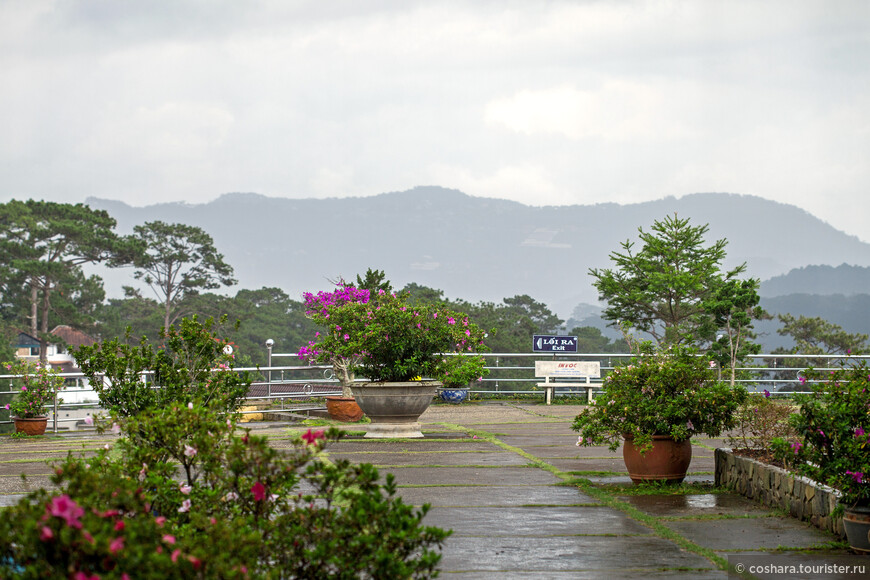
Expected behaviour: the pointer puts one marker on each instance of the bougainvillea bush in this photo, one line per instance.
(833, 426)
(205, 503)
(36, 384)
(388, 339)
(665, 391)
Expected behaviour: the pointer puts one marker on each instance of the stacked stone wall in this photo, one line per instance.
(775, 487)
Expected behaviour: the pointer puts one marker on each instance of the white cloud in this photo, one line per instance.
(618, 110)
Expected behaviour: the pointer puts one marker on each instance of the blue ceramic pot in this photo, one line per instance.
(453, 395)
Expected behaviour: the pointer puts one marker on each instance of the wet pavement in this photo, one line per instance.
(524, 502)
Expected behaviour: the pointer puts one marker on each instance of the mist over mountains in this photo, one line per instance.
(478, 248)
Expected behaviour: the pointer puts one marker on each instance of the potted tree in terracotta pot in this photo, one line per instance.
(399, 348)
(833, 424)
(655, 404)
(37, 385)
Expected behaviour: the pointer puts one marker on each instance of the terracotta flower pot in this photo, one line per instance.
(31, 426)
(856, 520)
(343, 409)
(668, 460)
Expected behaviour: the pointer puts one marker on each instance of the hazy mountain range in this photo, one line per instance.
(488, 249)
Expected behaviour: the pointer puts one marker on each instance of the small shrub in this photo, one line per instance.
(192, 364)
(760, 420)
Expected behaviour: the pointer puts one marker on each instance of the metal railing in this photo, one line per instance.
(509, 376)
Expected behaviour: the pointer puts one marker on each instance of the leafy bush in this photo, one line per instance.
(760, 420)
(834, 429)
(125, 514)
(667, 391)
(37, 384)
(192, 364)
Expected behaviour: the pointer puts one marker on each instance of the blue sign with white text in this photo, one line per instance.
(546, 343)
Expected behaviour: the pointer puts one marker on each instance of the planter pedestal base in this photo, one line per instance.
(394, 430)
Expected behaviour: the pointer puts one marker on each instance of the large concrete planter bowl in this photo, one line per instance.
(395, 407)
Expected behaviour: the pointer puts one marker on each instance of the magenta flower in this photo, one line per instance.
(67, 509)
(259, 491)
(858, 476)
(766, 394)
(859, 431)
(45, 534)
(116, 545)
(310, 437)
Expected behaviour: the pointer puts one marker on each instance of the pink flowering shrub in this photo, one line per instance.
(386, 338)
(833, 426)
(37, 385)
(243, 510)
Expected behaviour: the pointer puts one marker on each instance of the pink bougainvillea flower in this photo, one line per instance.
(169, 539)
(859, 431)
(116, 545)
(310, 437)
(67, 509)
(259, 491)
(185, 489)
(189, 451)
(119, 525)
(858, 476)
(45, 534)
(160, 520)
(175, 554)
(185, 506)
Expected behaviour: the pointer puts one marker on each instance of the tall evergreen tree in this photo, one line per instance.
(179, 261)
(43, 246)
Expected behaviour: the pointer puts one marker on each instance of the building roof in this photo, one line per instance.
(73, 337)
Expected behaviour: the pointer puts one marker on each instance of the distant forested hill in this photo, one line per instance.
(843, 279)
(477, 248)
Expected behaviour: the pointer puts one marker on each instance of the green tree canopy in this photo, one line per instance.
(814, 335)
(178, 261)
(661, 289)
(42, 248)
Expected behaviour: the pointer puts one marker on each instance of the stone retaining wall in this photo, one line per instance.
(774, 487)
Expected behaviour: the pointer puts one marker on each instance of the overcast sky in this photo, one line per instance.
(542, 102)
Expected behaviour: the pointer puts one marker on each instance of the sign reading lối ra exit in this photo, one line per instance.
(547, 343)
